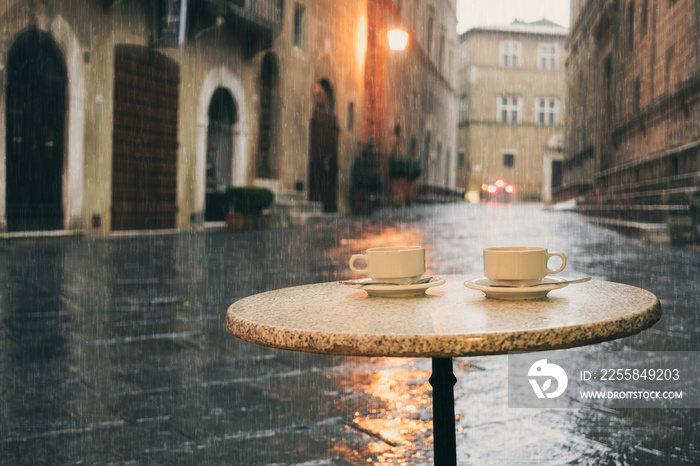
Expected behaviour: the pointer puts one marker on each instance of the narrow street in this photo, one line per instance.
(113, 351)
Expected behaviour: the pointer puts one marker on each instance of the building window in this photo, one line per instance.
(461, 159)
(429, 35)
(547, 56)
(463, 107)
(508, 160)
(351, 116)
(630, 26)
(509, 109)
(670, 72)
(450, 62)
(547, 111)
(463, 56)
(510, 54)
(299, 20)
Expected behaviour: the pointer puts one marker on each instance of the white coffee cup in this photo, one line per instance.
(519, 263)
(395, 264)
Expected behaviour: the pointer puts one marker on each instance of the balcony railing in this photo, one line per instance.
(255, 22)
(260, 11)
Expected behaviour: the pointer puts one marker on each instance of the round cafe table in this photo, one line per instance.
(447, 321)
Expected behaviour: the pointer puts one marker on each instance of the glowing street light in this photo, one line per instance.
(398, 38)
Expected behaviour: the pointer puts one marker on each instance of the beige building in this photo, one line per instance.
(512, 101)
(126, 115)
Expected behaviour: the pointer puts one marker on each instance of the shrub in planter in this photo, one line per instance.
(399, 167)
(248, 207)
(365, 179)
(249, 199)
(398, 172)
(413, 172)
(403, 173)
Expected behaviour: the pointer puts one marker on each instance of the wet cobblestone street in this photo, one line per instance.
(113, 351)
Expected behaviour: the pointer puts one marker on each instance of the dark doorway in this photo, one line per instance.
(222, 117)
(35, 111)
(144, 155)
(557, 173)
(323, 149)
(267, 163)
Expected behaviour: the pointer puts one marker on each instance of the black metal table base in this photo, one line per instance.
(443, 380)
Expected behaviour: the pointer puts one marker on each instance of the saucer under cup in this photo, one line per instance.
(396, 291)
(487, 287)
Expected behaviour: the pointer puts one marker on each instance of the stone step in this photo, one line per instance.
(311, 218)
(300, 206)
(291, 208)
(285, 196)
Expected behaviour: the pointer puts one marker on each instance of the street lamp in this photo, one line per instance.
(398, 38)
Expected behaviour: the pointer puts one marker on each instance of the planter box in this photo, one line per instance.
(400, 191)
(236, 221)
(362, 203)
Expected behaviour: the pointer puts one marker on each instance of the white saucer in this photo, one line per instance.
(396, 291)
(483, 284)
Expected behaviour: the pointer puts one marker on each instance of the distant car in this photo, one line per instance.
(498, 191)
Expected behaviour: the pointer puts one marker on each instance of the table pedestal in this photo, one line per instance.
(443, 380)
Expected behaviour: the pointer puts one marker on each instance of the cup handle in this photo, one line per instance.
(563, 261)
(352, 263)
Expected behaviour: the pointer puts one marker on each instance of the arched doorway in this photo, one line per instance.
(35, 120)
(267, 165)
(323, 148)
(223, 116)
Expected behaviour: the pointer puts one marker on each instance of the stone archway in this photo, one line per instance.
(217, 78)
(70, 50)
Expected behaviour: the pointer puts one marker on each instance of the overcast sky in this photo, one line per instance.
(471, 13)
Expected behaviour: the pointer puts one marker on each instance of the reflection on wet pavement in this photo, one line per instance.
(398, 420)
(113, 351)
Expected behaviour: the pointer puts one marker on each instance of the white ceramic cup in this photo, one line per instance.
(519, 263)
(395, 264)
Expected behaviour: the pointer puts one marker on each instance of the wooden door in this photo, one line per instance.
(144, 153)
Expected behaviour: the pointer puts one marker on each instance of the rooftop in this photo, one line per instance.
(540, 27)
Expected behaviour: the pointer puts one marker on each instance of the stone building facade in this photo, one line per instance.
(512, 102)
(633, 139)
(122, 115)
(411, 98)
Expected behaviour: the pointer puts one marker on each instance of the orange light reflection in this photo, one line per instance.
(374, 238)
(399, 415)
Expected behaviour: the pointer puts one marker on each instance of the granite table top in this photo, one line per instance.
(448, 321)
